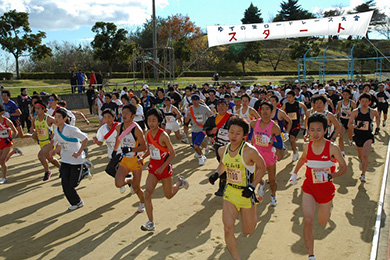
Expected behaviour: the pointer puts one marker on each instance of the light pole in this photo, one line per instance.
(155, 62)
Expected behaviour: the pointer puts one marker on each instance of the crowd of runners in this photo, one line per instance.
(250, 128)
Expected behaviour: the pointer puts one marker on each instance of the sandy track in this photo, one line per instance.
(35, 224)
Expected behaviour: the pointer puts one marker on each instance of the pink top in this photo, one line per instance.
(262, 137)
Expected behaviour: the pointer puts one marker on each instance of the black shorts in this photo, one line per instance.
(384, 107)
(344, 122)
(295, 130)
(362, 138)
(16, 122)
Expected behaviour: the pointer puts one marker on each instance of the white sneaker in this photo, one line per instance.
(207, 151)
(202, 160)
(149, 226)
(141, 208)
(260, 190)
(312, 257)
(3, 180)
(123, 189)
(350, 142)
(184, 183)
(343, 154)
(384, 123)
(273, 201)
(363, 178)
(184, 140)
(78, 205)
(295, 156)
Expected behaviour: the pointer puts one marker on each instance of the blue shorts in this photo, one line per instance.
(197, 138)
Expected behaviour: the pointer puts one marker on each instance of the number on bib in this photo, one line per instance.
(154, 153)
(292, 116)
(234, 175)
(315, 170)
(262, 140)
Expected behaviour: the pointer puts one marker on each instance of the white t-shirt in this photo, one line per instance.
(139, 116)
(110, 141)
(68, 148)
(252, 102)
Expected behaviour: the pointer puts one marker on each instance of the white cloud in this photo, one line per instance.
(71, 14)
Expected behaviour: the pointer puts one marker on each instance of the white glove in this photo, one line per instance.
(293, 179)
(286, 136)
(6, 114)
(322, 176)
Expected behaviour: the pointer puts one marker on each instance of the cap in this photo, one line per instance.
(258, 85)
(321, 91)
(222, 100)
(227, 95)
(251, 87)
(195, 97)
(296, 81)
(205, 84)
(248, 91)
(167, 99)
(145, 86)
(233, 82)
(332, 88)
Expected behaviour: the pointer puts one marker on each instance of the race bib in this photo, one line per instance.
(110, 146)
(170, 119)
(381, 99)
(199, 118)
(65, 146)
(292, 116)
(4, 134)
(154, 153)
(127, 142)
(363, 125)
(262, 140)
(315, 171)
(42, 132)
(223, 133)
(234, 175)
(345, 113)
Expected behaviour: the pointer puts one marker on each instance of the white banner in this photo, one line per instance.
(351, 24)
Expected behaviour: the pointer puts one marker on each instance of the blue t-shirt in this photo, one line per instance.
(11, 108)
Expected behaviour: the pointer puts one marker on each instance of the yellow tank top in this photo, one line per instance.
(238, 173)
(43, 131)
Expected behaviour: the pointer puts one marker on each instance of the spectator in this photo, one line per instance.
(99, 80)
(92, 79)
(73, 81)
(80, 81)
(124, 91)
(85, 82)
(24, 102)
(111, 105)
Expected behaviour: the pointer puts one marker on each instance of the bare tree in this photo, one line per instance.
(276, 52)
(384, 29)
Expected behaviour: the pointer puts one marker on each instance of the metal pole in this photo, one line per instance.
(352, 69)
(304, 64)
(155, 42)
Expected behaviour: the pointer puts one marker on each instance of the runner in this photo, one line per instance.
(172, 114)
(198, 114)
(53, 104)
(67, 141)
(266, 138)
(99, 102)
(281, 118)
(248, 113)
(130, 137)
(383, 102)
(239, 160)
(139, 116)
(107, 132)
(7, 131)
(361, 121)
(292, 109)
(42, 124)
(186, 103)
(160, 168)
(217, 126)
(320, 156)
(344, 109)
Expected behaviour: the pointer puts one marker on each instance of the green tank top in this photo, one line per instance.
(43, 131)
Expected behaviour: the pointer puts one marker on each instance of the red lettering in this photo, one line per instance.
(304, 30)
(266, 33)
(233, 38)
(340, 28)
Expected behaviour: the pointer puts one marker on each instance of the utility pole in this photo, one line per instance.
(155, 61)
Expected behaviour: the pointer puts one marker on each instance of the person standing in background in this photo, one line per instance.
(85, 83)
(90, 94)
(92, 79)
(73, 81)
(99, 80)
(80, 81)
(24, 102)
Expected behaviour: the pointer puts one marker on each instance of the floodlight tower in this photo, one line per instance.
(155, 61)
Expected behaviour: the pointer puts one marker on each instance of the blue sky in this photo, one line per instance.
(72, 20)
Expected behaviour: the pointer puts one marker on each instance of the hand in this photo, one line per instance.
(306, 138)
(113, 154)
(75, 155)
(323, 176)
(293, 179)
(126, 150)
(159, 170)
(87, 122)
(213, 178)
(249, 191)
(95, 140)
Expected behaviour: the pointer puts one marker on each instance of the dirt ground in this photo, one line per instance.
(35, 223)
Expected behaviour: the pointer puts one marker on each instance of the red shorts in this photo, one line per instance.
(322, 193)
(5, 142)
(167, 172)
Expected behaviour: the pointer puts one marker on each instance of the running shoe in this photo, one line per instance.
(295, 155)
(141, 208)
(132, 192)
(184, 183)
(350, 142)
(343, 154)
(196, 155)
(207, 150)
(260, 190)
(3, 180)
(273, 201)
(384, 123)
(122, 189)
(88, 164)
(202, 160)
(88, 174)
(47, 175)
(149, 226)
(363, 178)
(18, 151)
(312, 257)
(78, 205)
(184, 140)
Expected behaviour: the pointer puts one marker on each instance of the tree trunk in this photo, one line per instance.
(243, 68)
(17, 67)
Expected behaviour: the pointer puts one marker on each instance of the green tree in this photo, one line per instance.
(301, 45)
(241, 52)
(290, 10)
(361, 50)
(378, 17)
(109, 43)
(182, 51)
(17, 39)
